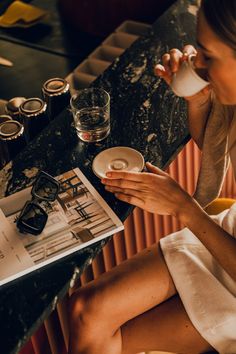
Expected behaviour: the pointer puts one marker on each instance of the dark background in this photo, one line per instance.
(49, 49)
(56, 46)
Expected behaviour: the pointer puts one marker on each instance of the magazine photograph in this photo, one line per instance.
(78, 217)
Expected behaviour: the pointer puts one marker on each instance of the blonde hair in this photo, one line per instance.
(221, 17)
(226, 119)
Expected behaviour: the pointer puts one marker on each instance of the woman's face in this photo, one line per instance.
(218, 60)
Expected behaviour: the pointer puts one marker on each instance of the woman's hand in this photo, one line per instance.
(199, 105)
(155, 192)
(171, 64)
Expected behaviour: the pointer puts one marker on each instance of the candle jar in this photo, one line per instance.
(56, 93)
(34, 116)
(12, 140)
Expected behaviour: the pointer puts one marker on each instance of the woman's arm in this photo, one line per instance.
(158, 193)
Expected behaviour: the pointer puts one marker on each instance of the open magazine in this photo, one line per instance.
(77, 218)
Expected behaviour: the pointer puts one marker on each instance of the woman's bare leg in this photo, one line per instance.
(166, 327)
(100, 308)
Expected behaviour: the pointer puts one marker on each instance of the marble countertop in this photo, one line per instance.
(145, 115)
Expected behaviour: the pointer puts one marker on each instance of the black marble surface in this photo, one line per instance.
(145, 115)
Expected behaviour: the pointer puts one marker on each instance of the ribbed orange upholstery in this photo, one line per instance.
(141, 230)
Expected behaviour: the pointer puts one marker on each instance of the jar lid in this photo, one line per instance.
(33, 106)
(4, 118)
(11, 129)
(56, 86)
(13, 104)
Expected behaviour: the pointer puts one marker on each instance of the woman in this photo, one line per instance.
(178, 295)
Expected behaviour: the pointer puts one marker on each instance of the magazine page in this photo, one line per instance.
(12, 252)
(79, 217)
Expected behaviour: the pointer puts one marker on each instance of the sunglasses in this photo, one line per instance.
(33, 217)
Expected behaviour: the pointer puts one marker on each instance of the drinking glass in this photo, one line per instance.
(91, 111)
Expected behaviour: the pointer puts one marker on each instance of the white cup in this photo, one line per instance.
(186, 81)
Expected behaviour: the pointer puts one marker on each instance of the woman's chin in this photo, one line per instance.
(228, 101)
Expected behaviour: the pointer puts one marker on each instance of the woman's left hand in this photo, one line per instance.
(155, 192)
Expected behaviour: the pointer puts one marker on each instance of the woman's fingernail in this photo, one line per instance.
(158, 69)
(108, 174)
(184, 57)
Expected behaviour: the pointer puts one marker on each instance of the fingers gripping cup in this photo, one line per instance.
(91, 111)
(187, 80)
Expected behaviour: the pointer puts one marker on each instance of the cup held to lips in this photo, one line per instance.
(187, 81)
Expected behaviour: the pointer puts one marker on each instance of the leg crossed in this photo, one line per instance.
(100, 308)
(166, 327)
(118, 313)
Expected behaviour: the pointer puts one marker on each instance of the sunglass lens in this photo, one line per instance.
(32, 219)
(45, 189)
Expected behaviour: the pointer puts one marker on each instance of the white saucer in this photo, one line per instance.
(119, 158)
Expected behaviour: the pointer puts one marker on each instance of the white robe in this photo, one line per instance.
(208, 293)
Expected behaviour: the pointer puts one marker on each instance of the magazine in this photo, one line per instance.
(77, 218)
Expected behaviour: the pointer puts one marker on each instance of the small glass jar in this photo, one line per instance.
(12, 140)
(56, 93)
(34, 116)
(12, 107)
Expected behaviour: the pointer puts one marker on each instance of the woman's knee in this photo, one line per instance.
(82, 304)
(76, 304)
(87, 306)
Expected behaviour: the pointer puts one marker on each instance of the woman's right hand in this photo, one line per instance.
(170, 65)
